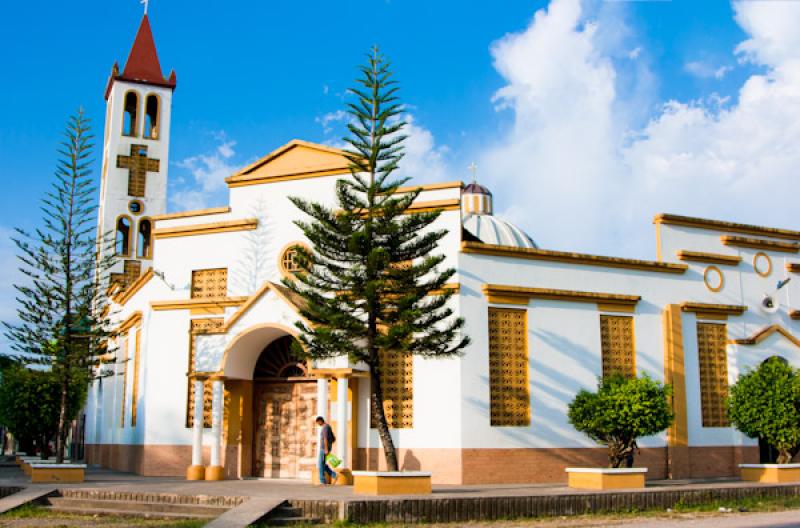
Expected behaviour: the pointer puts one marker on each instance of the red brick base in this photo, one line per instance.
(149, 460)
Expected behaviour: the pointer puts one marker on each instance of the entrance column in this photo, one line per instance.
(215, 471)
(341, 421)
(196, 471)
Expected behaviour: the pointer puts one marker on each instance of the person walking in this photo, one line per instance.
(326, 440)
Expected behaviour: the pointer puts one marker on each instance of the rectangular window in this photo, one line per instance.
(617, 339)
(509, 395)
(198, 327)
(712, 340)
(397, 383)
(210, 283)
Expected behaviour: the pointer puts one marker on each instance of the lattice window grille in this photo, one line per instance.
(200, 326)
(397, 382)
(713, 359)
(618, 347)
(210, 283)
(509, 393)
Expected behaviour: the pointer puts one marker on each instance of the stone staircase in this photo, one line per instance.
(287, 515)
(141, 504)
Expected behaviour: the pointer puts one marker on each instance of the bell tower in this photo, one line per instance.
(133, 186)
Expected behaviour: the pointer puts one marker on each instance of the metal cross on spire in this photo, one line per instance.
(145, 3)
(473, 169)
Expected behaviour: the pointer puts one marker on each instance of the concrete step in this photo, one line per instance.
(290, 521)
(154, 498)
(187, 510)
(119, 513)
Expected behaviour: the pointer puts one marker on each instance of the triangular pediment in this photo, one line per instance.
(764, 333)
(295, 160)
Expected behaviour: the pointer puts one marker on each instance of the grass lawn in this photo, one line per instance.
(38, 516)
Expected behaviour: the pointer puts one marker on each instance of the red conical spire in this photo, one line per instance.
(142, 65)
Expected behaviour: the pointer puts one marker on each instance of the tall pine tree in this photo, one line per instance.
(59, 302)
(372, 285)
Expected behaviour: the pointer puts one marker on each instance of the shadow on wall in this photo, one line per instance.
(253, 267)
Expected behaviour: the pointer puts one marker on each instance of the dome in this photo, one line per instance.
(475, 188)
(492, 230)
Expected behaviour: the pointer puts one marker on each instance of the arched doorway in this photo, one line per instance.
(284, 408)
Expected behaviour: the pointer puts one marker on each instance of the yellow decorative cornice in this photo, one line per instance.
(713, 311)
(571, 258)
(246, 224)
(279, 290)
(795, 314)
(431, 186)
(503, 294)
(710, 258)
(125, 295)
(132, 320)
(189, 214)
(337, 373)
(760, 243)
(732, 227)
(764, 333)
(452, 204)
(195, 304)
(793, 267)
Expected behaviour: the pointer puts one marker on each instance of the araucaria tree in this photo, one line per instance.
(59, 301)
(372, 284)
(622, 410)
(765, 403)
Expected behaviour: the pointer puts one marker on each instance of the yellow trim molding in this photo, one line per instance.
(432, 186)
(718, 225)
(248, 224)
(245, 307)
(337, 373)
(452, 204)
(709, 258)
(480, 248)
(194, 304)
(764, 333)
(675, 375)
(502, 294)
(760, 243)
(793, 267)
(131, 321)
(795, 314)
(125, 295)
(713, 309)
(189, 214)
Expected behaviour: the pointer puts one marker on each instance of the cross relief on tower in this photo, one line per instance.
(138, 165)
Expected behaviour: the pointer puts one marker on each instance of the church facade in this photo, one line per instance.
(203, 379)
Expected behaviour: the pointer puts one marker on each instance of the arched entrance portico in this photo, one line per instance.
(271, 402)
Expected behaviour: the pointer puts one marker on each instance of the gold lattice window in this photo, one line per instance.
(210, 283)
(619, 352)
(132, 271)
(397, 382)
(713, 358)
(510, 403)
(199, 327)
(136, 358)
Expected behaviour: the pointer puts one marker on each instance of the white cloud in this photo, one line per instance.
(331, 118)
(208, 172)
(423, 159)
(705, 70)
(635, 52)
(579, 172)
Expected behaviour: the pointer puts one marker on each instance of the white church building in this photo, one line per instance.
(203, 373)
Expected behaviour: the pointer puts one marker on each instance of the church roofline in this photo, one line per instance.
(720, 225)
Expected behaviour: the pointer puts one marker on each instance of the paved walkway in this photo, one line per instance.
(303, 490)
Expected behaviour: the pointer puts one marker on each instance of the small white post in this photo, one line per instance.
(216, 423)
(197, 426)
(341, 421)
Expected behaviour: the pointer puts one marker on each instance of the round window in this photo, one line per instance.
(289, 263)
(762, 264)
(714, 278)
(135, 206)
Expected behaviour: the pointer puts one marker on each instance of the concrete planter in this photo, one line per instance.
(391, 482)
(57, 473)
(606, 478)
(770, 473)
(26, 461)
(18, 457)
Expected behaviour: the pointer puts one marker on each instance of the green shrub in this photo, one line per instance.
(622, 410)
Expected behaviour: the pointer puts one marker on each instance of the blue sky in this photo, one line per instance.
(585, 117)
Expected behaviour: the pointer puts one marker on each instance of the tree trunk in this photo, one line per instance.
(618, 453)
(379, 417)
(784, 456)
(62, 420)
